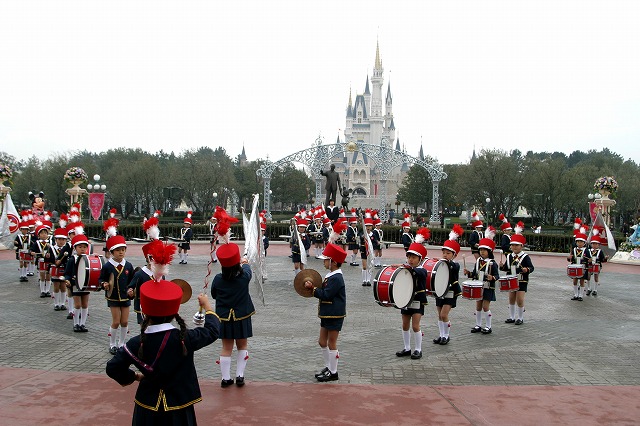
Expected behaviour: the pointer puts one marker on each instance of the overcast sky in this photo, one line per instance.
(273, 75)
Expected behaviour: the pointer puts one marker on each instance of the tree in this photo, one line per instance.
(416, 188)
(291, 187)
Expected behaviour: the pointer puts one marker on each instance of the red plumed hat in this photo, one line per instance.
(477, 223)
(224, 223)
(188, 218)
(418, 249)
(334, 252)
(161, 257)
(423, 235)
(160, 298)
(228, 254)
(452, 243)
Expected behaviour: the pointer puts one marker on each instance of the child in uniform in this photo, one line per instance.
(377, 241)
(234, 307)
(505, 239)
(332, 308)
(485, 270)
(168, 383)
(444, 304)
(579, 255)
(412, 314)
(364, 249)
(597, 258)
(476, 235)
(59, 255)
(186, 233)
(315, 232)
(80, 243)
(406, 238)
(352, 237)
(22, 243)
(41, 254)
(296, 253)
(520, 264)
(115, 277)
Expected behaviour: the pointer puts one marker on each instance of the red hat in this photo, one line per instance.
(596, 239)
(477, 223)
(487, 243)
(41, 228)
(115, 242)
(452, 244)
(47, 224)
(228, 254)
(263, 226)
(505, 226)
(334, 252)
(60, 233)
(145, 249)
(188, 218)
(326, 220)
(418, 249)
(518, 239)
(423, 235)
(24, 225)
(407, 221)
(110, 226)
(150, 226)
(580, 236)
(354, 216)
(161, 256)
(301, 222)
(79, 239)
(160, 298)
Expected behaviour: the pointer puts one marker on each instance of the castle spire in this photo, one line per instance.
(378, 61)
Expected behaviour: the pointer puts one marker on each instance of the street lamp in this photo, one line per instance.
(97, 194)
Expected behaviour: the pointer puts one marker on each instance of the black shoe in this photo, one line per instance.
(354, 264)
(519, 321)
(216, 260)
(437, 341)
(239, 381)
(76, 328)
(594, 292)
(113, 350)
(70, 315)
(580, 299)
(509, 320)
(29, 274)
(574, 298)
(404, 352)
(364, 283)
(43, 294)
(486, 330)
(368, 283)
(416, 355)
(588, 292)
(378, 266)
(63, 308)
(328, 377)
(322, 372)
(226, 383)
(47, 294)
(445, 340)
(56, 308)
(476, 329)
(83, 329)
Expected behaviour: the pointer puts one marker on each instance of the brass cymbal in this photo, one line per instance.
(306, 275)
(186, 289)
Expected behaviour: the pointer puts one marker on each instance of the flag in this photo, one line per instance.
(9, 223)
(610, 248)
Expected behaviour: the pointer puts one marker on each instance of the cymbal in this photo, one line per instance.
(186, 289)
(306, 275)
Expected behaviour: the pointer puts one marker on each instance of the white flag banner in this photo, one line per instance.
(599, 222)
(9, 223)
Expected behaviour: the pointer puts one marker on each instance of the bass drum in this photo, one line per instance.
(88, 267)
(393, 286)
(437, 277)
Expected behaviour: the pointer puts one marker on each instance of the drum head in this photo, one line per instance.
(440, 279)
(81, 271)
(402, 288)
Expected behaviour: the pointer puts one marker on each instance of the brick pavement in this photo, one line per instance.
(563, 343)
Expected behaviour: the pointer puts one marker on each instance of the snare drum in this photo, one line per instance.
(509, 283)
(393, 286)
(43, 266)
(88, 269)
(472, 290)
(57, 273)
(575, 271)
(437, 277)
(594, 268)
(25, 256)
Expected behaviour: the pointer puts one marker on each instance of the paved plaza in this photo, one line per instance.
(562, 346)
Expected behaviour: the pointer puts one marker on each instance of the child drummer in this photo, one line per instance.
(485, 270)
(40, 251)
(186, 233)
(80, 298)
(520, 264)
(22, 244)
(579, 255)
(444, 304)
(413, 313)
(59, 254)
(597, 259)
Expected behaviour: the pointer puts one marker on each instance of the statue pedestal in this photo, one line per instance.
(75, 192)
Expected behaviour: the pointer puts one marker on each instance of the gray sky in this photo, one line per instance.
(273, 75)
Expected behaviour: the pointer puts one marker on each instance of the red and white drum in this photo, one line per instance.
(88, 269)
(472, 290)
(57, 273)
(43, 266)
(25, 256)
(393, 286)
(509, 283)
(594, 268)
(437, 277)
(575, 270)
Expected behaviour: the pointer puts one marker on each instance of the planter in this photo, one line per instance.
(605, 193)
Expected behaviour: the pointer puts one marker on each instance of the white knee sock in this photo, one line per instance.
(440, 328)
(364, 275)
(63, 298)
(478, 318)
(225, 367)
(186, 255)
(123, 335)
(368, 276)
(333, 361)
(83, 316)
(520, 313)
(241, 363)
(112, 336)
(417, 340)
(580, 291)
(488, 318)
(512, 311)
(575, 290)
(406, 337)
(76, 316)
(447, 328)
(295, 272)
(47, 286)
(325, 355)
(41, 286)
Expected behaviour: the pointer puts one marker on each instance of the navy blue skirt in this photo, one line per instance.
(236, 329)
(489, 294)
(332, 323)
(184, 416)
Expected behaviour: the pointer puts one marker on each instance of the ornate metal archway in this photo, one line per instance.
(386, 159)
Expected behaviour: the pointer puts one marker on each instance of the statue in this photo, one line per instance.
(345, 197)
(333, 183)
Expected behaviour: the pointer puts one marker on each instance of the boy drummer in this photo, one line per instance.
(579, 255)
(517, 263)
(597, 258)
(444, 304)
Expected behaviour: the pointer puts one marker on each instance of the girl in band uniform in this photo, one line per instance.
(485, 270)
(476, 235)
(444, 304)
(518, 263)
(59, 254)
(406, 238)
(40, 252)
(352, 237)
(377, 241)
(80, 244)
(296, 253)
(186, 234)
(579, 255)
(22, 244)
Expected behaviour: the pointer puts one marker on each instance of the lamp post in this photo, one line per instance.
(97, 193)
(488, 210)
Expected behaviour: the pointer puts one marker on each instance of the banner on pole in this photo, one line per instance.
(96, 202)
(9, 223)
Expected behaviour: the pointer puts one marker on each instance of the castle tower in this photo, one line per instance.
(375, 116)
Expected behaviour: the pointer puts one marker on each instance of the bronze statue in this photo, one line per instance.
(333, 183)
(345, 197)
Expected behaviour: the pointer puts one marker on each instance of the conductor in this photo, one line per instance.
(333, 183)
